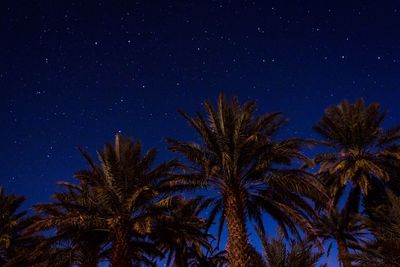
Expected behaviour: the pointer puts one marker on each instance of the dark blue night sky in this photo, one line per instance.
(76, 73)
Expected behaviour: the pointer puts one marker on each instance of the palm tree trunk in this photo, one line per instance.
(343, 254)
(238, 241)
(120, 249)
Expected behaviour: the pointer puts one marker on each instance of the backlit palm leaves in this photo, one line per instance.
(110, 212)
(127, 187)
(79, 233)
(14, 244)
(237, 161)
(363, 152)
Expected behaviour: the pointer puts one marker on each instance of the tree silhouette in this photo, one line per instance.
(237, 161)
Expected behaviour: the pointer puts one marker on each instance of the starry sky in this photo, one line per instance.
(75, 73)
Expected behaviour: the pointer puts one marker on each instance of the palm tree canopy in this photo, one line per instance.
(364, 151)
(10, 221)
(14, 243)
(238, 155)
(129, 195)
(79, 235)
(121, 195)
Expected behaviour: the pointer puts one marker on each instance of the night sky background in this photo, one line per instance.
(76, 73)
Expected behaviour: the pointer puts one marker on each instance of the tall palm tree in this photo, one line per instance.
(363, 152)
(237, 162)
(348, 232)
(127, 188)
(111, 212)
(299, 253)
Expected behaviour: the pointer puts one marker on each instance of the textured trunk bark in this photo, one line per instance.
(343, 254)
(239, 252)
(120, 249)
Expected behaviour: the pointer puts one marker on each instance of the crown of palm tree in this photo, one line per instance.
(237, 161)
(111, 204)
(79, 236)
(364, 153)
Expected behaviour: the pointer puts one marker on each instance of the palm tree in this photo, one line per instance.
(364, 153)
(349, 232)
(111, 212)
(14, 243)
(78, 239)
(10, 218)
(237, 163)
(127, 188)
(300, 253)
(179, 232)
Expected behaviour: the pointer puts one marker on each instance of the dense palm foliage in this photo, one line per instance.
(384, 250)
(126, 190)
(73, 216)
(363, 152)
(238, 160)
(347, 232)
(14, 244)
(180, 233)
(299, 253)
(123, 211)
(128, 210)
(11, 224)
